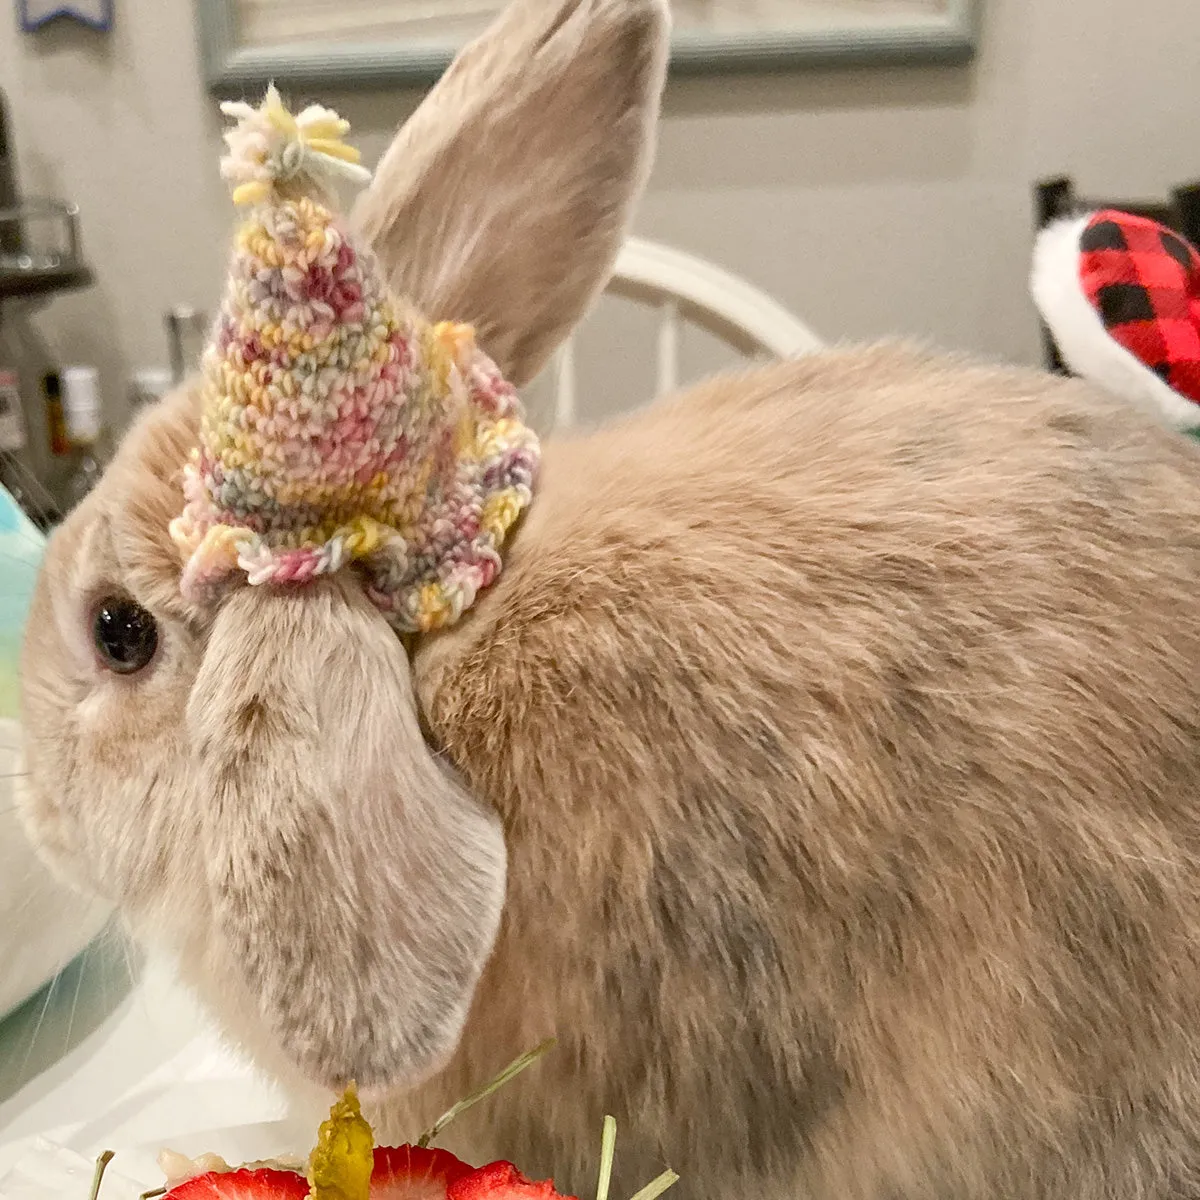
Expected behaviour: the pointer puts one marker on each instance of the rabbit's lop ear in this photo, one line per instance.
(356, 888)
(504, 200)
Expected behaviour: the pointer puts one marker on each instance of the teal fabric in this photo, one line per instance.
(21, 548)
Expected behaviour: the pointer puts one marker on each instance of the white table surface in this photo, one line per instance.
(116, 1056)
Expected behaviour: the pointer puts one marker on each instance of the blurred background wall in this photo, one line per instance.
(870, 201)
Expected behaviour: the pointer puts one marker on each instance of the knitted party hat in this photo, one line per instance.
(339, 427)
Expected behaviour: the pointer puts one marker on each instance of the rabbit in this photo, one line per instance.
(821, 770)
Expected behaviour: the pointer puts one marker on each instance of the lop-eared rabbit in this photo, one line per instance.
(823, 770)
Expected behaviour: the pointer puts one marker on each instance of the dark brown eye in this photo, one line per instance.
(125, 635)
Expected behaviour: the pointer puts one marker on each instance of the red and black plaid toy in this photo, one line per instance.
(1121, 297)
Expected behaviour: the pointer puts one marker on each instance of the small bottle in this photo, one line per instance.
(81, 397)
(56, 421)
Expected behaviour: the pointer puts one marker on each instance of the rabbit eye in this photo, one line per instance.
(125, 635)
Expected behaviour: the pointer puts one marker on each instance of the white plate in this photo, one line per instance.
(100, 1063)
(43, 924)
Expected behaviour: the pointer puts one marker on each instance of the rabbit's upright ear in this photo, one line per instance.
(356, 890)
(504, 200)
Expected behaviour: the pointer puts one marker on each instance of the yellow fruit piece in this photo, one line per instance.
(339, 1167)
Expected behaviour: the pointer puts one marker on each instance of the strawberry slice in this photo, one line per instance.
(413, 1173)
(502, 1181)
(244, 1184)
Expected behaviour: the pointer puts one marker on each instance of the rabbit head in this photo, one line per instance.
(248, 780)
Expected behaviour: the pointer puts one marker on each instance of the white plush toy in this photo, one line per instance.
(1120, 295)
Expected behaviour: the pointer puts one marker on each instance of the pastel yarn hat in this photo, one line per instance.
(338, 426)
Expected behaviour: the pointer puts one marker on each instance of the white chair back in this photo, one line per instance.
(680, 288)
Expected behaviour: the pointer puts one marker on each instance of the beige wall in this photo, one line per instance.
(871, 202)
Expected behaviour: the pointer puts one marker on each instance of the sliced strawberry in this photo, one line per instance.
(260, 1184)
(502, 1181)
(411, 1173)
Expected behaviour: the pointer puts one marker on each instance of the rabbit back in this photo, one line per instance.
(843, 719)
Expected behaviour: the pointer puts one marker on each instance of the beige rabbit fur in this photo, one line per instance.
(832, 737)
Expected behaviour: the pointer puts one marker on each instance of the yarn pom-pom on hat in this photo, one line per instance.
(338, 427)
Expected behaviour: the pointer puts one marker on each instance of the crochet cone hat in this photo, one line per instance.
(339, 428)
(1120, 295)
